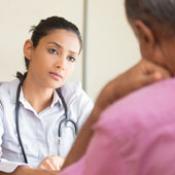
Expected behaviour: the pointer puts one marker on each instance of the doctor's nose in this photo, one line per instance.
(61, 62)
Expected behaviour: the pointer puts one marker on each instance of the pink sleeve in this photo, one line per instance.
(75, 169)
(101, 158)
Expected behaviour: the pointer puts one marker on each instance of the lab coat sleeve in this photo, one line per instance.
(5, 165)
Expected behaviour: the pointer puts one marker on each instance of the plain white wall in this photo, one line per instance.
(17, 17)
(111, 45)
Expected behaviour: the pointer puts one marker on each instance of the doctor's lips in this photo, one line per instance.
(56, 76)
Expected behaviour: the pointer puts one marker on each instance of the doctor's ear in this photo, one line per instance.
(146, 38)
(28, 47)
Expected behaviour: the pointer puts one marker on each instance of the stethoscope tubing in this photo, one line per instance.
(66, 119)
(63, 121)
(17, 123)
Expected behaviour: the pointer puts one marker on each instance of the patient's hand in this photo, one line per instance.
(138, 76)
(52, 163)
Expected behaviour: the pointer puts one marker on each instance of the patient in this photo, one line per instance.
(136, 135)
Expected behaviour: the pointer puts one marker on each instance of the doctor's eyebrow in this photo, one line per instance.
(60, 46)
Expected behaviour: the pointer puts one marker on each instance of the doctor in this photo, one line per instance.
(39, 114)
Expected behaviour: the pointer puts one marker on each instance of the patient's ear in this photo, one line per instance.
(146, 38)
(28, 47)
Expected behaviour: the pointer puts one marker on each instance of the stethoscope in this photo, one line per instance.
(64, 121)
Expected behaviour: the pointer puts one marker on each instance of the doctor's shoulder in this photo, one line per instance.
(74, 93)
(8, 90)
(77, 100)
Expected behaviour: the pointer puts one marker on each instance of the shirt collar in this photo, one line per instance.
(56, 99)
(23, 101)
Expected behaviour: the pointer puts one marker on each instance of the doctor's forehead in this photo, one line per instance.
(62, 38)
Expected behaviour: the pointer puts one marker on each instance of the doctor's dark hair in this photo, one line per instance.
(152, 12)
(45, 27)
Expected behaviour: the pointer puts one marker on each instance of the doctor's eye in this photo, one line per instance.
(71, 59)
(53, 51)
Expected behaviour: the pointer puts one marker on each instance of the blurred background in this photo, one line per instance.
(109, 44)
